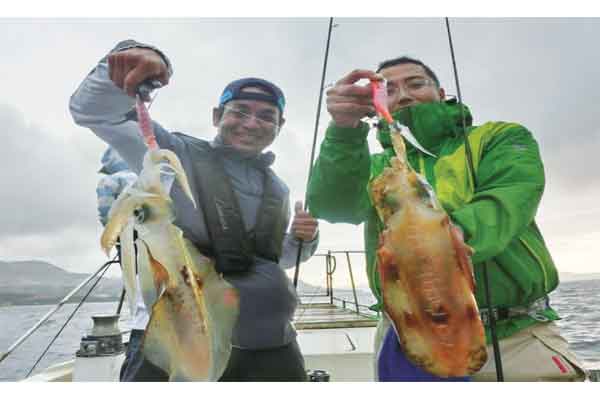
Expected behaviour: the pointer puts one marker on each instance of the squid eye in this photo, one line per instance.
(141, 214)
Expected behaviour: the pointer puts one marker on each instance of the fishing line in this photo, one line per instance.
(486, 284)
(152, 100)
(114, 260)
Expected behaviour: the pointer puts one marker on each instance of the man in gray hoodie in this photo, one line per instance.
(243, 207)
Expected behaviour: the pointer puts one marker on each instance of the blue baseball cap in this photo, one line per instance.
(234, 91)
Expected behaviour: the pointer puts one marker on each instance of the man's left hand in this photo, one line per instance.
(304, 226)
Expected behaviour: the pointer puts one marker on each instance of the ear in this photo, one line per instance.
(216, 116)
(281, 123)
(442, 93)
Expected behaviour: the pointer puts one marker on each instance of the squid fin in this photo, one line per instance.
(157, 340)
(222, 306)
(172, 344)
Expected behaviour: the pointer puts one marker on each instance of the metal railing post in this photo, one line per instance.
(332, 265)
(352, 280)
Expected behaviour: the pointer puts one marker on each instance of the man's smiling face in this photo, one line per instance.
(248, 125)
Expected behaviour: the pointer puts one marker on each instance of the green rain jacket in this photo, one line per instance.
(497, 216)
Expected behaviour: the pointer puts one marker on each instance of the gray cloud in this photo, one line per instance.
(44, 188)
(539, 72)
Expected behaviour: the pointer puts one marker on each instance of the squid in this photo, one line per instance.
(193, 309)
(426, 272)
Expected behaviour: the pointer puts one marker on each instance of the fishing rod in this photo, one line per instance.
(56, 308)
(121, 299)
(486, 281)
(106, 266)
(314, 144)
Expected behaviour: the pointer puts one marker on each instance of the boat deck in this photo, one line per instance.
(330, 316)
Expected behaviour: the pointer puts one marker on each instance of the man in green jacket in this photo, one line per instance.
(495, 205)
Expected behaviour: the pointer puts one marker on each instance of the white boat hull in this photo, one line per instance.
(345, 354)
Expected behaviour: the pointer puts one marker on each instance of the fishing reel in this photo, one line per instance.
(146, 88)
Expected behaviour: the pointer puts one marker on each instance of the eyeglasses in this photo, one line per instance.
(412, 86)
(264, 118)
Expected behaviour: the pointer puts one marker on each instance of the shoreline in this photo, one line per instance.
(53, 303)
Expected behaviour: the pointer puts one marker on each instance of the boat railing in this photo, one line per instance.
(330, 268)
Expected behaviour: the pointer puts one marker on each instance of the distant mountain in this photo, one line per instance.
(39, 282)
(571, 276)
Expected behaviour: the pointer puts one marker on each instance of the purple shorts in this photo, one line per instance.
(393, 366)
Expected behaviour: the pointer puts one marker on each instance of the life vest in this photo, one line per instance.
(232, 247)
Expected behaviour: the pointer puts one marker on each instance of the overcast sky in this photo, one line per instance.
(541, 73)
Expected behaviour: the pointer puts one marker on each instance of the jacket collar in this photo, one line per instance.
(430, 123)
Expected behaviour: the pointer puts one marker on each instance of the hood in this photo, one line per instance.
(430, 123)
